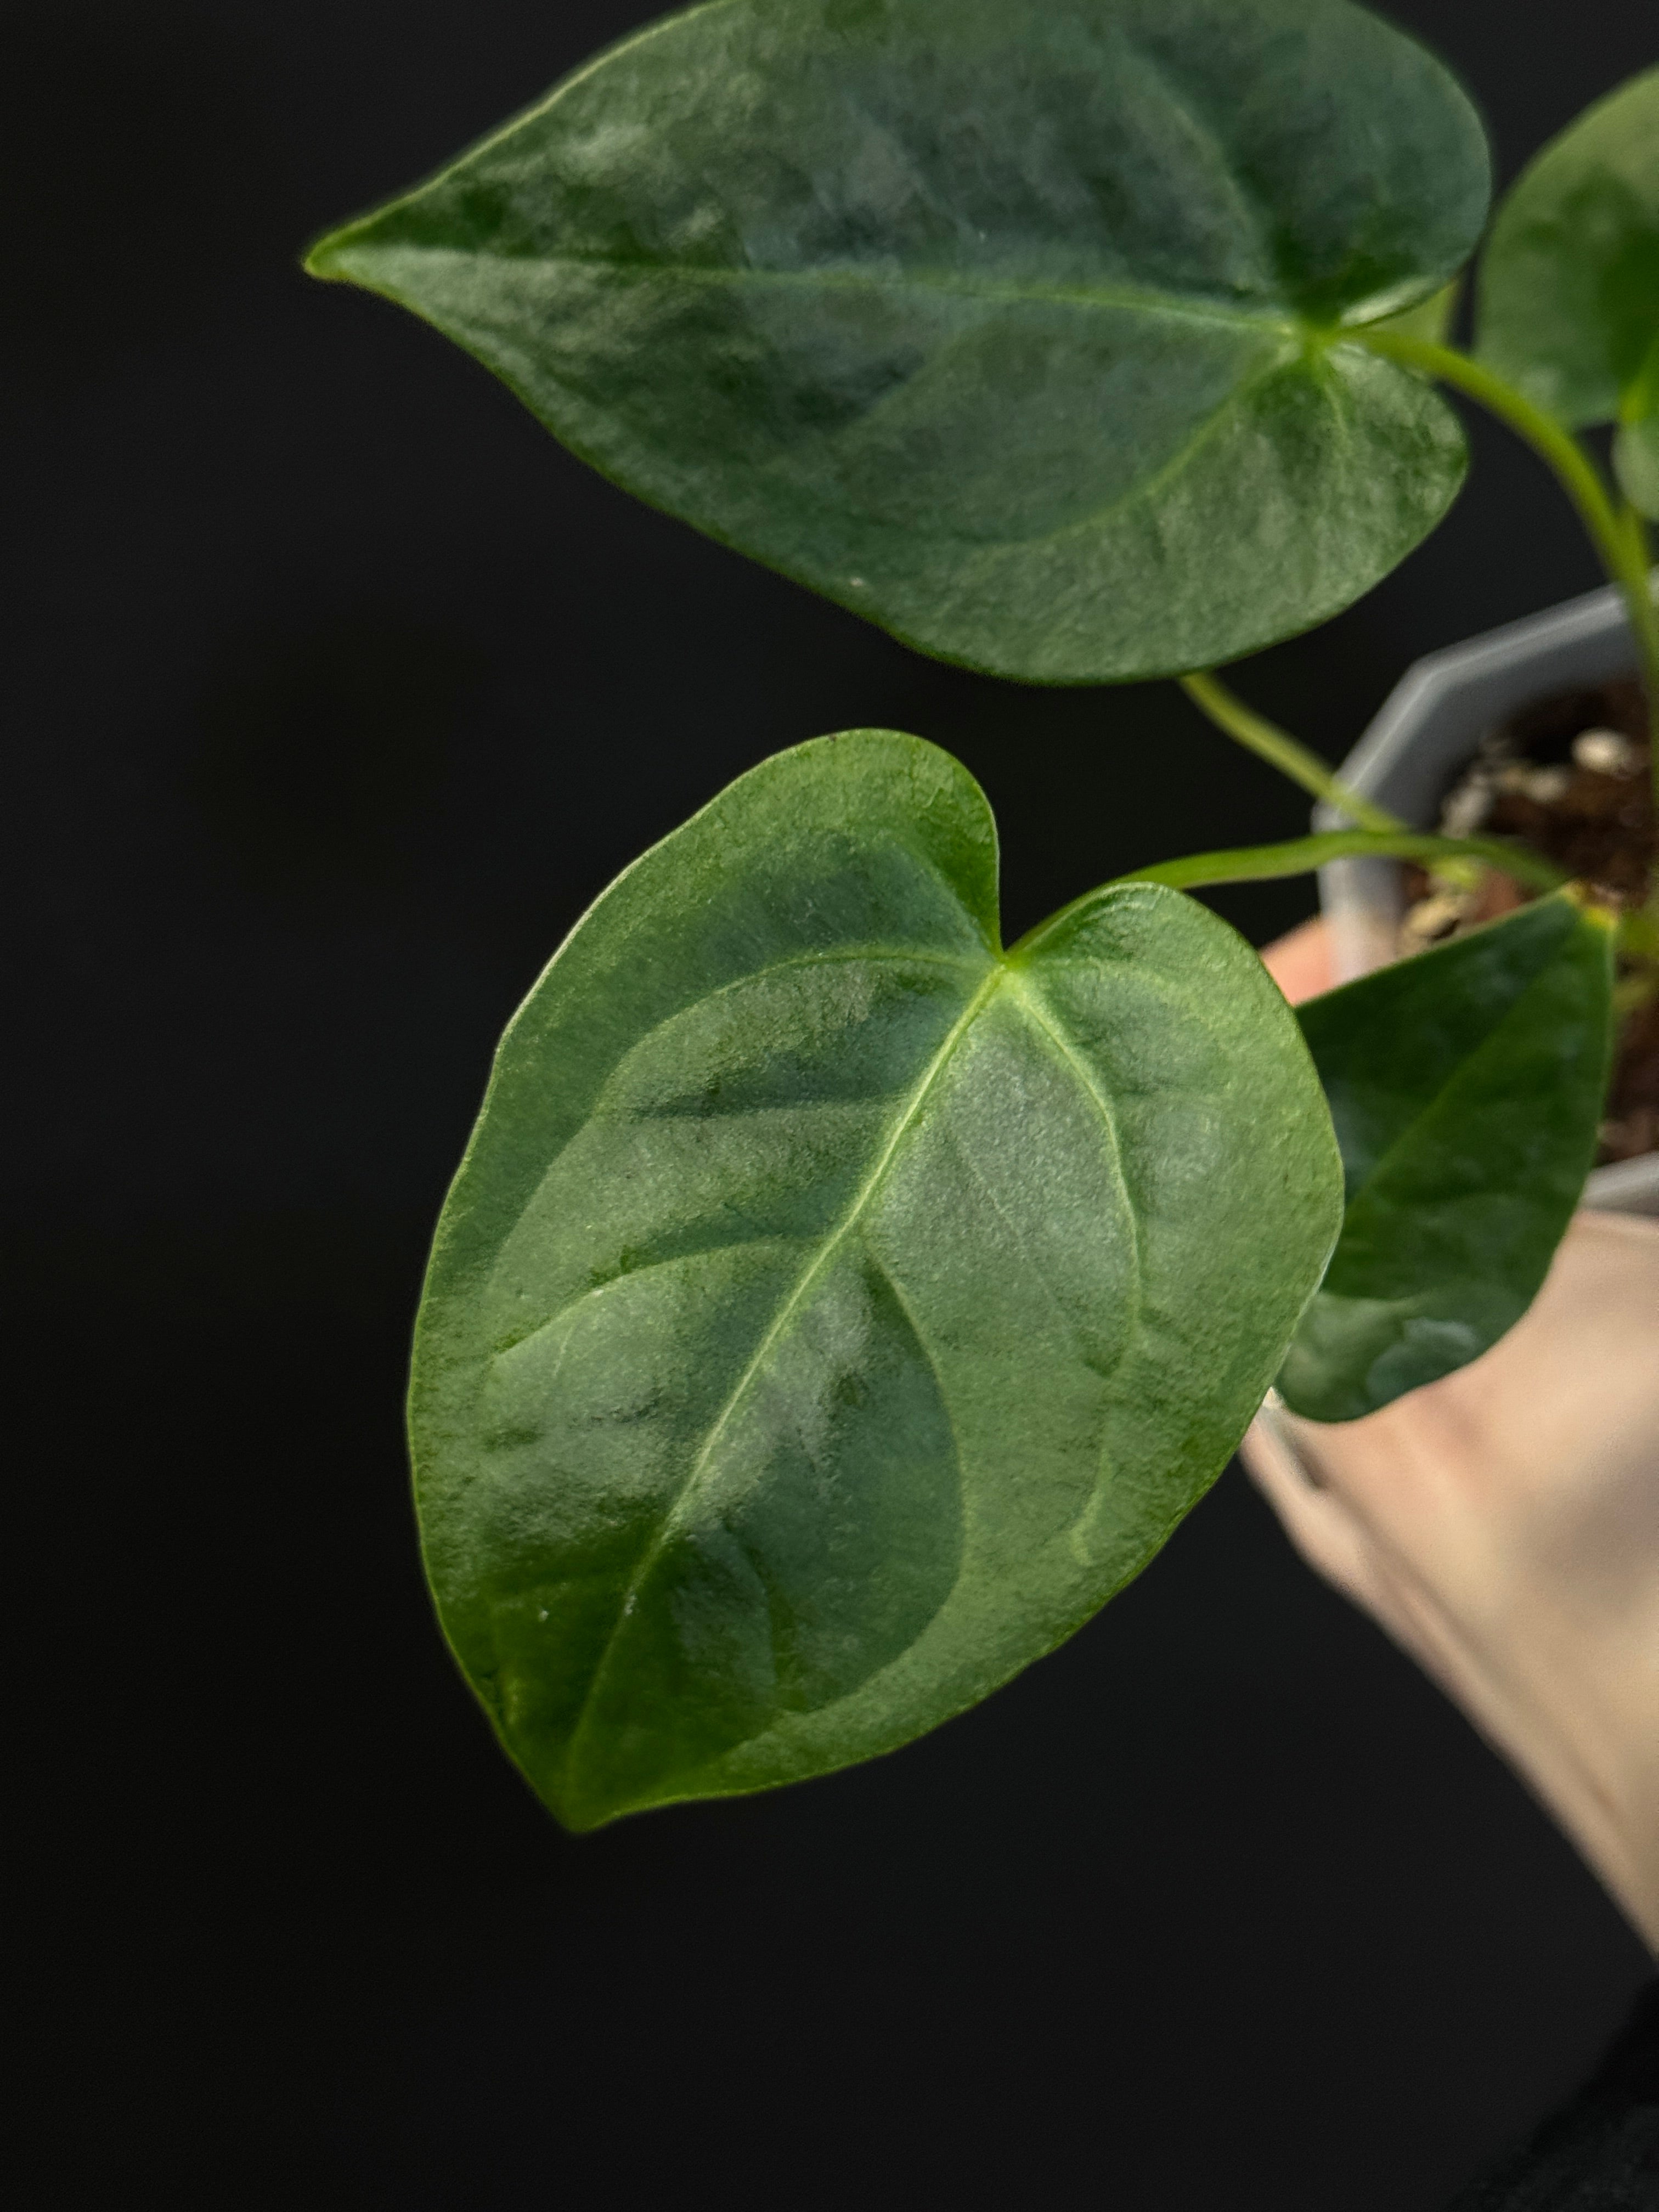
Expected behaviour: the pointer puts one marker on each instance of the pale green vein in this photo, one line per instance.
(856, 956)
(1030, 1003)
(595, 1291)
(1131, 299)
(1144, 491)
(786, 1314)
(1205, 134)
(869, 956)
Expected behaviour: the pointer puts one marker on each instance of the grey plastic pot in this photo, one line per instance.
(1429, 725)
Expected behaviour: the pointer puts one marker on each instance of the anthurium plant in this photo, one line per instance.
(836, 1306)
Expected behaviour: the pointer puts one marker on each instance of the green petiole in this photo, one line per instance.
(1299, 856)
(1281, 751)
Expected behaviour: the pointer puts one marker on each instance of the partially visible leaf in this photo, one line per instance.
(1015, 325)
(833, 1310)
(1430, 319)
(1466, 1085)
(1569, 282)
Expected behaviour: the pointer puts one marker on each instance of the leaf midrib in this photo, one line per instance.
(1002, 971)
(818, 957)
(904, 1122)
(1141, 489)
(1135, 299)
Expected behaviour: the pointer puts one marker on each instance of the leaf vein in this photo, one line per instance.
(787, 1309)
(1031, 1004)
(627, 1274)
(1133, 299)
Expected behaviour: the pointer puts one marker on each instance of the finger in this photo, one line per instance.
(1333, 1536)
(1300, 963)
(1328, 1534)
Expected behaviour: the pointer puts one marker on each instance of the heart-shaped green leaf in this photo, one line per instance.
(1466, 1085)
(1570, 281)
(1016, 325)
(832, 1310)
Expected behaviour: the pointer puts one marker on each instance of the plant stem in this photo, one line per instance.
(1298, 856)
(1283, 751)
(1619, 535)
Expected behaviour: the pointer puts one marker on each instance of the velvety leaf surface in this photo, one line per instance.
(1570, 281)
(1013, 325)
(832, 1311)
(1466, 1085)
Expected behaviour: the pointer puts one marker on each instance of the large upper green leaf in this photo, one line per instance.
(1011, 323)
(1570, 281)
(1466, 1085)
(832, 1311)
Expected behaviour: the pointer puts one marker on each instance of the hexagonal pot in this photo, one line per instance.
(1430, 723)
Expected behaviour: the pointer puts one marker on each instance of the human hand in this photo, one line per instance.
(1502, 1526)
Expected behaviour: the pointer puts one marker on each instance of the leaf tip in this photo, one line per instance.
(330, 256)
(583, 1821)
(319, 259)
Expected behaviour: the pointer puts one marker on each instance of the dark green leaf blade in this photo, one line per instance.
(1568, 291)
(1466, 1085)
(1013, 325)
(831, 1310)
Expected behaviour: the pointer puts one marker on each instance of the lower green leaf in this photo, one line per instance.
(1569, 278)
(1466, 1085)
(832, 1309)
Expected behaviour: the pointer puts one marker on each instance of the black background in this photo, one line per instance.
(334, 691)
